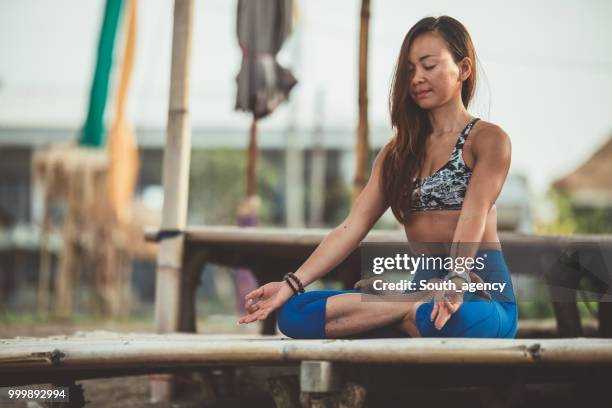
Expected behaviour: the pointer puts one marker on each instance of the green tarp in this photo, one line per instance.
(92, 133)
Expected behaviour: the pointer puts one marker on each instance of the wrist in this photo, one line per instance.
(294, 282)
(286, 289)
(456, 277)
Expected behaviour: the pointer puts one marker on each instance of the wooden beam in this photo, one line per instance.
(313, 236)
(140, 350)
(175, 178)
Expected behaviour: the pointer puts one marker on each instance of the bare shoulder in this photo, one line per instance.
(382, 154)
(489, 137)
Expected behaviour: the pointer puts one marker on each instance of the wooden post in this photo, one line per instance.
(176, 184)
(251, 181)
(44, 277)
(362, 148)
(294, 152)
(317, 167)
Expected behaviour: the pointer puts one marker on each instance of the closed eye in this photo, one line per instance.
(429, 68)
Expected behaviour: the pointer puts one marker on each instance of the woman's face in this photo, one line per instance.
(435, 78)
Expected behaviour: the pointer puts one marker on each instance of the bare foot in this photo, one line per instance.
(408, 323)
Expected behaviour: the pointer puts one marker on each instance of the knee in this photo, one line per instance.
(287, 317)
(473, 319)
(478, 319)
(298, 322)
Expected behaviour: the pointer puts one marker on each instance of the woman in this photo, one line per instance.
(437, 199)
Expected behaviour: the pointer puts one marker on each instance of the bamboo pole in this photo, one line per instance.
(65, 279)
(109, 350)
(294, 151)
(44, 277)
(175, 172)
(317, 167)
(363, 146)
(175, 182)
(251, 181)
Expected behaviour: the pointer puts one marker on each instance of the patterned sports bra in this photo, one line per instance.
(446, 188)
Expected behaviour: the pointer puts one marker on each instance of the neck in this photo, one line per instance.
(449, 118)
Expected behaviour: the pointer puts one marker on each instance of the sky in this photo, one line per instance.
(546, 68)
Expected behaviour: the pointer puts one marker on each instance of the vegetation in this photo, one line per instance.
(217, 185)
(571, 219)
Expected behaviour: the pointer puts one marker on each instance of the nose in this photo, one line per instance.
(417, 77)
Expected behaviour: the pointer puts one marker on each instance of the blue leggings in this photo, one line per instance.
(303, 316)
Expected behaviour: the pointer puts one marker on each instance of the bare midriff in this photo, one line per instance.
(438, 226)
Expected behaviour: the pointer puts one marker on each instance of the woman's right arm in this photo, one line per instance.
(342, 240)
(335, 247)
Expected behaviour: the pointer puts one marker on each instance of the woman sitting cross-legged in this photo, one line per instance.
(440, 174)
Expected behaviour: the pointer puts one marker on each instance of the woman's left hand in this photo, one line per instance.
(446, 302)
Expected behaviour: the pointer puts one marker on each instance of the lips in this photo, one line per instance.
(423, 93)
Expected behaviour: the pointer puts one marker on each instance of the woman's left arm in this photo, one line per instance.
(492, 151)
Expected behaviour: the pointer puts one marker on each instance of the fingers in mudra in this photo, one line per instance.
(261, 302)
(446, 303)
(255, 294)
(256, 312)
(252, 307)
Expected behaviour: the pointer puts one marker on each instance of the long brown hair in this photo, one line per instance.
(406, 150)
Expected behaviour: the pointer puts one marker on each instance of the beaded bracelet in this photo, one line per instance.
(296, 280)
(286, 279)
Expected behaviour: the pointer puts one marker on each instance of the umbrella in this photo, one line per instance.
(262, 27)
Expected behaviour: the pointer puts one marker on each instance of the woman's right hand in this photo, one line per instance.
(365, 285)
(265, 300)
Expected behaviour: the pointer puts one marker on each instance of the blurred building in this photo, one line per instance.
(590, 185)
(514, 205)
(589, 190)
(21, 200)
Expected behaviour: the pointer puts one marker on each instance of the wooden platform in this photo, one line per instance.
(107, 354)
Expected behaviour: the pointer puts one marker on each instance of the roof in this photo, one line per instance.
(591, 182)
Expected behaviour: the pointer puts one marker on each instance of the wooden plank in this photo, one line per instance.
(191, 350)
(235, 246)
(313, 236)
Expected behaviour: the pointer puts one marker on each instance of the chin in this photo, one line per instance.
(426, 105)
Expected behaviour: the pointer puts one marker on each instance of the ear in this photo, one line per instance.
(465, 69)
